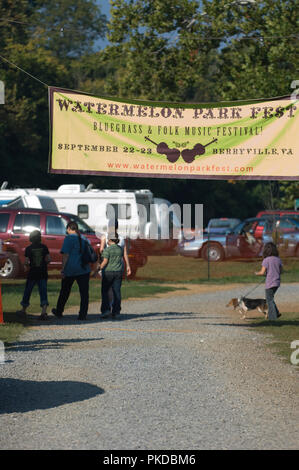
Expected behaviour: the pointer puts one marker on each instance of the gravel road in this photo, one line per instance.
(179, 371)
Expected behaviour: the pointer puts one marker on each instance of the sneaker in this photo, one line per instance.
(43, 316)
(54, 311)
(106, 314)
(21, 312)
(81, 318)
(114, 315)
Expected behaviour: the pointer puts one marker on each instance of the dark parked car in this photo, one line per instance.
(17, 224)
(242, 242)
(283, 231)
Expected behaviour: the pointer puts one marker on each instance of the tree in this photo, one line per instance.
(258, 54)
(29, 39)
(157, 51)
(68, 28)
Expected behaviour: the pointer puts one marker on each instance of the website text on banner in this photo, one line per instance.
(242, 140)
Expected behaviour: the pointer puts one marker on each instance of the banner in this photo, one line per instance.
(235, 140)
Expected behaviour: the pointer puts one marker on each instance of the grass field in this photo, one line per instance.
(181, 269)
(283, 332)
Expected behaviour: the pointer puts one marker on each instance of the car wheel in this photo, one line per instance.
(213, 252)
(11, 268)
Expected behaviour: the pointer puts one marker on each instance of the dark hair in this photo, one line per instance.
(72, 225)
(270, 249)
(114, 240)
(113, 237)
(35, 237)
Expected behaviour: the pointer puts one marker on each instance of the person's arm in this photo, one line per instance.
(262, 271)
(105, 260)
(104, 263)
(26, 264)
(65, 257)
(65, 250)
(47, 255)
(126, 258)
(103, 244)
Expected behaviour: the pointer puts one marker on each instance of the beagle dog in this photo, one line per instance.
(243, 304)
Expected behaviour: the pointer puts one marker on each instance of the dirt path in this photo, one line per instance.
(176, 371)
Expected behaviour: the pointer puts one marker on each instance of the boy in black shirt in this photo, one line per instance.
(36, 257)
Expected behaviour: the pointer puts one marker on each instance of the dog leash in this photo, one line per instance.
(254, 287)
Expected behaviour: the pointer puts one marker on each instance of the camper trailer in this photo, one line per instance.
(97, 206)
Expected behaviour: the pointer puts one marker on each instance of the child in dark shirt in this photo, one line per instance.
(36, 258)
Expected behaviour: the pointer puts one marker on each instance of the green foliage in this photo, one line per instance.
(30, 38)
(68, 28)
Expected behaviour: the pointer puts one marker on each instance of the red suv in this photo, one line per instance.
(17, 224)
(274, 214)
(277, 212)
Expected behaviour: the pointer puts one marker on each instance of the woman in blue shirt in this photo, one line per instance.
(72, 270)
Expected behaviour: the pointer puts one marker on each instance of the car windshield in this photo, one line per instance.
(243, 226)
(223, 223)
(82, 226)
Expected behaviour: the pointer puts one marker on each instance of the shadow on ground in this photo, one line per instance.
(20, 396)
(38, 345)
(94, 318)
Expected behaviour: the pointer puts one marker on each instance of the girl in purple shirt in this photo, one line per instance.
(272, 268)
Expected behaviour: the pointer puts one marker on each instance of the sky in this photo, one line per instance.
(105, 9)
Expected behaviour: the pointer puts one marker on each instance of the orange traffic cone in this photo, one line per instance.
(1, 309)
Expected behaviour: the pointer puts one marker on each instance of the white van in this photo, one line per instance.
(20, 198)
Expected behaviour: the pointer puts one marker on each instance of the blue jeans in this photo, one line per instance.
(42, 287)
(111, 279)
(273, 311)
